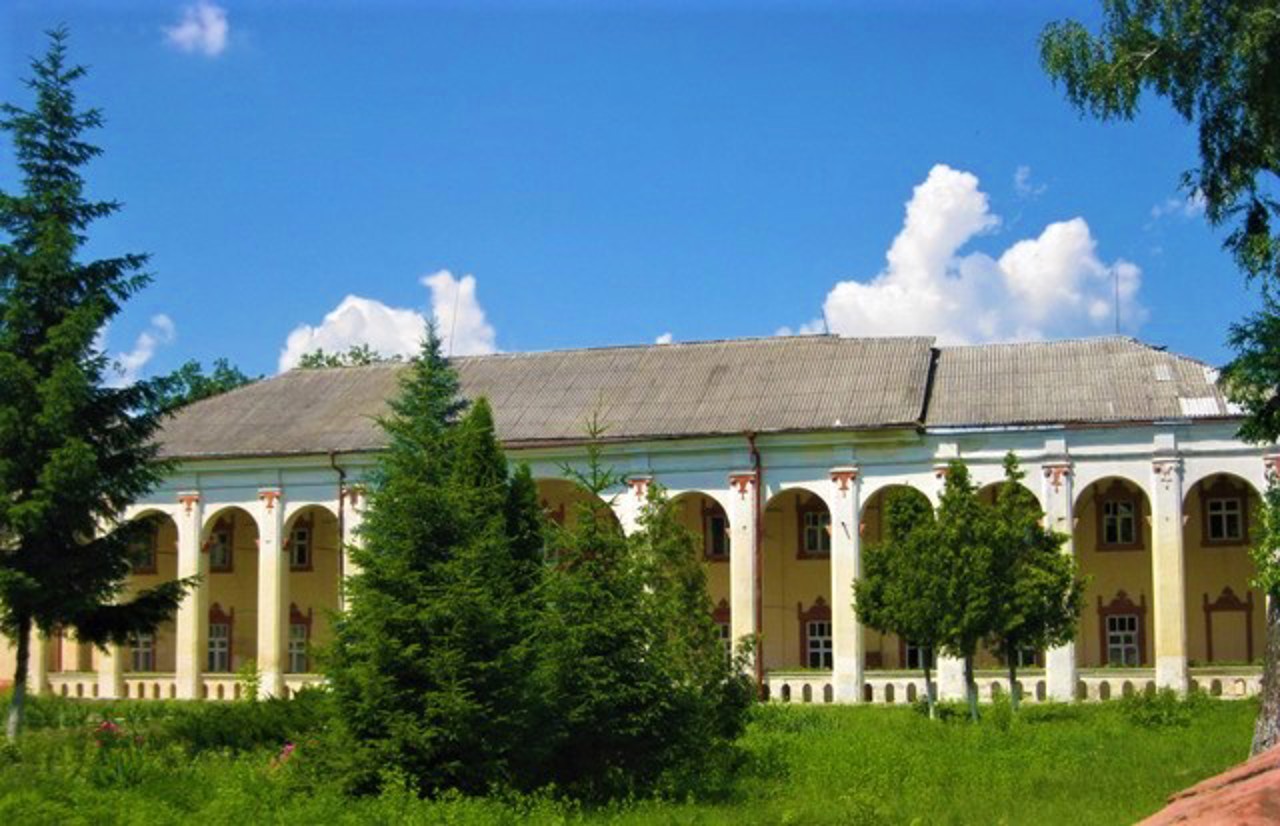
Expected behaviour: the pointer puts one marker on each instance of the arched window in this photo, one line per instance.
(1224, 514)
(815, 529)
(1122, 630)
(300, 545)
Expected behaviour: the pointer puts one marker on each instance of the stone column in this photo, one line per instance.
(38, 663)
(111, 672)
(192, 624)
(743, 536)
(351, 507)
(950, 669)
(1168, 574)
(273, 593)
(1058, 495)
(846, 566)
(628, 505)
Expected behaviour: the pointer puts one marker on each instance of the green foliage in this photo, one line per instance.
(1217, 63)
(189, 383)
(1265, 550)
(249, 678)
(73, 452)
(901, 590)
(358, 355)
(430, 666)
(1038, 594)
(1163, 708)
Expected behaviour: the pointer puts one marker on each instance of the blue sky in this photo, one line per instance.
(609, 173)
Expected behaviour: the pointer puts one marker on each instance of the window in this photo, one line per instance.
(1026, 658)
(715, 542)
(220, 622)
(818, 635)
(1224, 520)
(142, 553)
(1122, 640)
(298, 634)
(142, 652)
(918, 656)
(815, 531)
(726, 637)
(300, 548)
(1119, 522)
(220, 546)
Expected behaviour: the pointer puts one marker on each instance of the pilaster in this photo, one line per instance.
(38, 663)
(273, 585)
(846, 567)
(1168, 574)
(111, 672)
(1058, 495)
(743, 572)
(191, 625)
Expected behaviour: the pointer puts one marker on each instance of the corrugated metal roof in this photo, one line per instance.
(1098, 380)
(660, 391)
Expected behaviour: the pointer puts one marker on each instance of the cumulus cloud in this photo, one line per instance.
(1192, 206)
(665, 338)
(127, 367)
(203, 29)
(1023, 185)
(1050, 285)
(459, 318)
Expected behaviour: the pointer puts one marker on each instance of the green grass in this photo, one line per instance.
(1097, 764)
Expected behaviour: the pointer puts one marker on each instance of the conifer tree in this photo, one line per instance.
(73, 453)
(1039, 594)
(901, 589)
(429, 663)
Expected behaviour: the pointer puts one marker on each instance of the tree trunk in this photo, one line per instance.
(971, 687)
(1266, 732)
(17, 701)
(929, 700)
(1014, 697)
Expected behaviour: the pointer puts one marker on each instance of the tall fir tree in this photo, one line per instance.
(73, 452)
(429, 665)
(1040, 594)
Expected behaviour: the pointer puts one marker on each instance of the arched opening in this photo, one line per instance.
(795, 576)
(706, 519)
(1113, 550)
(887, 651)
(314, 548)
(562, 499)
(153, 560)
(229, 541)
(1029, 658)
(1226, 619)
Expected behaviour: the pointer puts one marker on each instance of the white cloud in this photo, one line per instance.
(1023, 186)
(665, 338)
(203, 28)
(1051, 285)
(1191, 206)
(127, 367)
(395, 330)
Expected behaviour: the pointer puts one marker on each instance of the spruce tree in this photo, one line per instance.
(73, 453)
(429, 663)
(1039, 593)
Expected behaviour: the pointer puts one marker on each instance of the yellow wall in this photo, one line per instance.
(317, 590)
(690, 509)
(1211, 568)
(238, 588)
(787, 582)
(166, 571)
(1107, 572)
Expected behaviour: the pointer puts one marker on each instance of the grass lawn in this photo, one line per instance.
(1093, 764)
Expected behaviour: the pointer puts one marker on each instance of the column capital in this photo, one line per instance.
(941, 469)
(844, 478)
(188, 499)
(1271, 464)
(1167, 470)
(269, 496)
(743, 481)
(1058, 472)
(639, 484)
(353, 494)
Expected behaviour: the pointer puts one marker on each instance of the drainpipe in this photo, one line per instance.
(342, 522)
(756, 542)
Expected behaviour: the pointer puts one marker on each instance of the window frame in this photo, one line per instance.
(148, 651)
(1223, 491)
(218, 617)
(308, 525)
(224, 525)
(1118, 493)
(711, 513)
(1122, 605)
(909, 648)
(818, 613)
(813, 506)
(297, 619)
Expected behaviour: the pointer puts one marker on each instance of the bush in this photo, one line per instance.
(241, 727)
(1162, 709)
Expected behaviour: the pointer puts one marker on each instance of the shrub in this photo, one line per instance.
(239, 727)
(1162, 709)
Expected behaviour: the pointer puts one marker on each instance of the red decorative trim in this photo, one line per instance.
(228, 618)
(1228, 601)
(1057, 473)
(640, 485)
(353, 494)
(1123, 605)
(819, 612)
(269, 497)
(812, 504)
(743, 481)
(1272, 464)
(843, 478)
(721, 614)
(556, 515)
(188, 500)
(940, 471)
(1167, 470)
